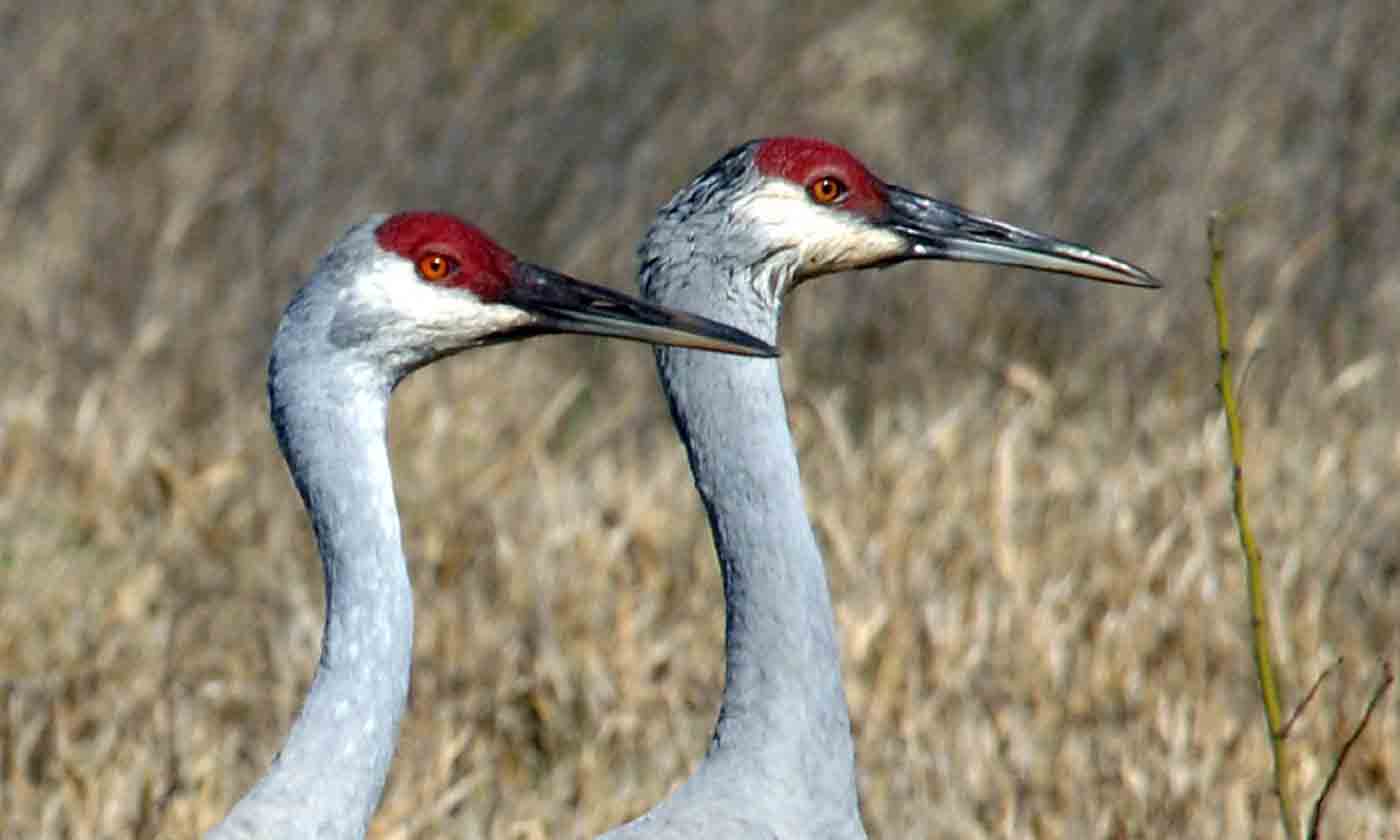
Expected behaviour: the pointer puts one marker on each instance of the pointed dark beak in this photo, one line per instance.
(563, 304)
(937, 230)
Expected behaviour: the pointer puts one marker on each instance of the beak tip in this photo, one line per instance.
(759, 349)
(1147, 280)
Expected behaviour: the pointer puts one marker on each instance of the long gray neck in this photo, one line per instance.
(783, 718)
(330, 419)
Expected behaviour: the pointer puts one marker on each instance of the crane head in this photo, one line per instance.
(416, 286)
(814, 206)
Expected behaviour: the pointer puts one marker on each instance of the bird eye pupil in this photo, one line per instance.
(434, 267)
(827, 190)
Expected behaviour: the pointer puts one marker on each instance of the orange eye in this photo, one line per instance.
(827, 190)
(434, 267)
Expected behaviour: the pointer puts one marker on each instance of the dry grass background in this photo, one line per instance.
(1018, 479)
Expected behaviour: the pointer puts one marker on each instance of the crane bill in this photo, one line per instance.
(563, 304)
(938, 230)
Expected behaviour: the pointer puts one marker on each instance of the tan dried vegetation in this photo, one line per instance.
(1018, 480)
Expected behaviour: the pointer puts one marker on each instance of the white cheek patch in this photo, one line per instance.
(392, 286)
(826, 239)
(418, 313)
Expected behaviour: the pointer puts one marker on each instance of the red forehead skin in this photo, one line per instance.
(483, 268)
(804, 160)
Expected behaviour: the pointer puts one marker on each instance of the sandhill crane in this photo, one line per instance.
(767, 216)
(394, 294)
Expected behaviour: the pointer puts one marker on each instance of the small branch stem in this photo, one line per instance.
(1315, 824)
(1307, 698)
(1258, 601)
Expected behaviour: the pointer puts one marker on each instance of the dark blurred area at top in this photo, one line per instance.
(184, 163)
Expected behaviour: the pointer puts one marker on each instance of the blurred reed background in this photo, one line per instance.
(1018, 480)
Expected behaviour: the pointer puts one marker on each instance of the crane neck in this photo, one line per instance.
(330, 420)
(784, 711)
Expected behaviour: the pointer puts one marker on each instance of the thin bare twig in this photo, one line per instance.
(1307, 698)
(1254, 571)
(1315, 824)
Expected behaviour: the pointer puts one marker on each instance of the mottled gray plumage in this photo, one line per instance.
(781, 763)
(368, 317)
(329, 392)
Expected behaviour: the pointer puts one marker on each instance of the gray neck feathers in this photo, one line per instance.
(330, 415)
(783, 724)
